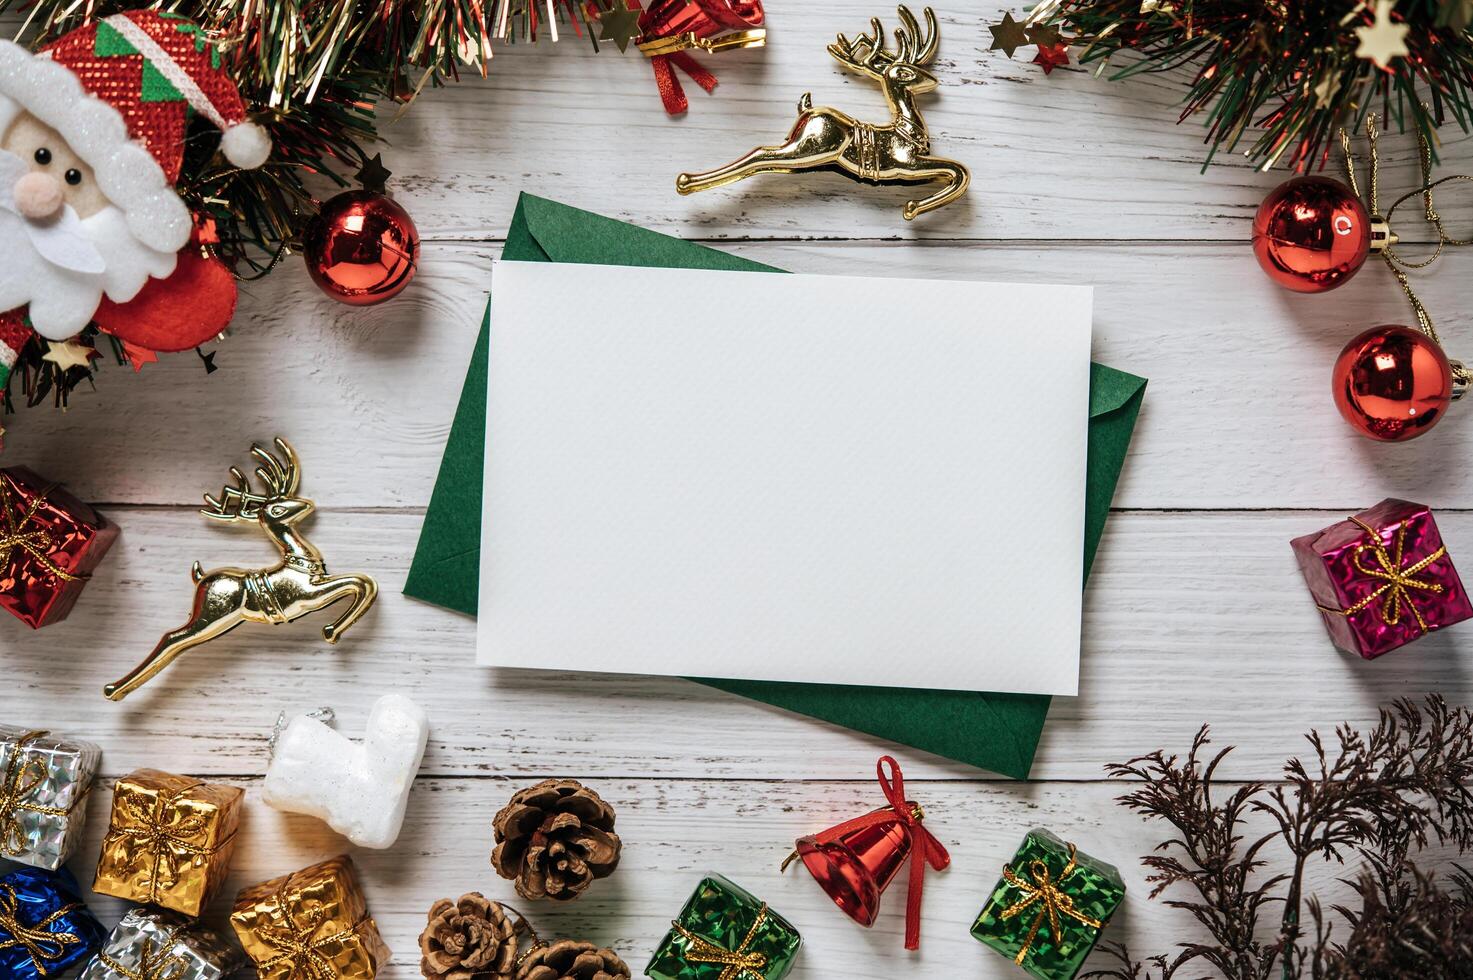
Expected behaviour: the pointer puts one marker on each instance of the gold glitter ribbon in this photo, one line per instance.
(37, 543)
(296, 946)
(737, 961)
(164, 840)
(152, 963)
(22, 779)
(35, 939)
(1052, 901)
(1400, 581)
(1398, 265)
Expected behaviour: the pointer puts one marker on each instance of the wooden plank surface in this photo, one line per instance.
(1195, 612)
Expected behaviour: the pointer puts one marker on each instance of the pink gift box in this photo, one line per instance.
(1382, 578)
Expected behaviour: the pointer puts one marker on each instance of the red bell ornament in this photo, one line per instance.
(1392, 383)
(855, 861)
(361, 247)
(1313, 233)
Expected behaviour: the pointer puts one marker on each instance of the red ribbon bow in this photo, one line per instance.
(703, 18)
(926, 848)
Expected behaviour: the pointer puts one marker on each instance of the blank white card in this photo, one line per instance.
(785, 477)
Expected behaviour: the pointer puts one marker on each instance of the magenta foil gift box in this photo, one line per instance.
(1382, 578)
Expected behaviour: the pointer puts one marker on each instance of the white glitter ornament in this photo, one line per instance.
(358, 788)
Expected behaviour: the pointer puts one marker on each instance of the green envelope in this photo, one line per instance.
(999, 732)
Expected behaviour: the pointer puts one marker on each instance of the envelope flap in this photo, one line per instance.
(567, 234)
(1110, 389)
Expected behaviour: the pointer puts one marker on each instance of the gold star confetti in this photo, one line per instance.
(619, 23)
(1007, 36)
(1383, 40)
(67, 355)
(1045, 36)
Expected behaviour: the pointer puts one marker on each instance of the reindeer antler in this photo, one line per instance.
(283, 479)
(235, 503)
(861, 53)
(240, 502)
(866, 53)
(918, 51)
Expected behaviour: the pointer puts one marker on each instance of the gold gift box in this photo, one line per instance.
(170, 840)
(311, 925)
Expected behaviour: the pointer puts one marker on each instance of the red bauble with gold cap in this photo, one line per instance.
(362, 248)
(1392, 383)
(1312, 234)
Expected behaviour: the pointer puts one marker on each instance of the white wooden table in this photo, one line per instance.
(1195, 612)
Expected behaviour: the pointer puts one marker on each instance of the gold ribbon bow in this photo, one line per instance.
(36, 940)
(1053, 902)
(297, 946)
(37, 543)
(1400, 581)
(153, 964)
(737, 961)
(23, 777)
(165, 840)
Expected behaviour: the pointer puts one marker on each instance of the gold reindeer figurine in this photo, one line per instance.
(292, 588)
(828, 139)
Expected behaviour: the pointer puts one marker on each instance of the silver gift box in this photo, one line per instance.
(44, 782)
(154, 945)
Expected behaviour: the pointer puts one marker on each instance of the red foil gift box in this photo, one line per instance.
(1382, 578)
(49, 544)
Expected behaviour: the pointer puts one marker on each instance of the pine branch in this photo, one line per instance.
(1286, 70)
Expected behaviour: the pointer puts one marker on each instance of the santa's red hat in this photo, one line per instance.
(121, 92)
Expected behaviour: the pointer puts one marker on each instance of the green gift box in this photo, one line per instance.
(724, 933)
(1050, 906)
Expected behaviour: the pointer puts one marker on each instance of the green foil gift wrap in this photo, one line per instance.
(1050, 906)
(723, 933)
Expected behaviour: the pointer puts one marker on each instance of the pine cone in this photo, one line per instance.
(554, 838)
(568, 959)
(469, 938)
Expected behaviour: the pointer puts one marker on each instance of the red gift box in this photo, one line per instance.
(49, 544)
(1382, 578)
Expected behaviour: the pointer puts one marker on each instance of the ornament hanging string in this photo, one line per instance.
(1462, 376)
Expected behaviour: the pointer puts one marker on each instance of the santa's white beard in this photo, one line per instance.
(63, 301)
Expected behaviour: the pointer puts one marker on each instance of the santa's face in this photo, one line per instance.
(64, 244)
(57, 175)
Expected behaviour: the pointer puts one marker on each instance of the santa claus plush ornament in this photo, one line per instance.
(91, 142)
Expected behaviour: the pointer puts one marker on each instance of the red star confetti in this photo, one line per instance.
(1051, 56)
(139, 356)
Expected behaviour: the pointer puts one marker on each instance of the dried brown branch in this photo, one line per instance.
(1371, 802)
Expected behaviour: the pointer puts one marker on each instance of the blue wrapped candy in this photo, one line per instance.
(44, 926)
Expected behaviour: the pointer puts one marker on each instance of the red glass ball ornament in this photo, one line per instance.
(1311, 234)
(1393, 383)
(361, 248)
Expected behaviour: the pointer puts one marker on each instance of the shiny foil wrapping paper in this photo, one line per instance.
(151, 945)
(1047, 882)
(49, 544)
(170, 840)
(45, 780)
(1380, 589)
(724, 933)
(311, 925)
(45, 929)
